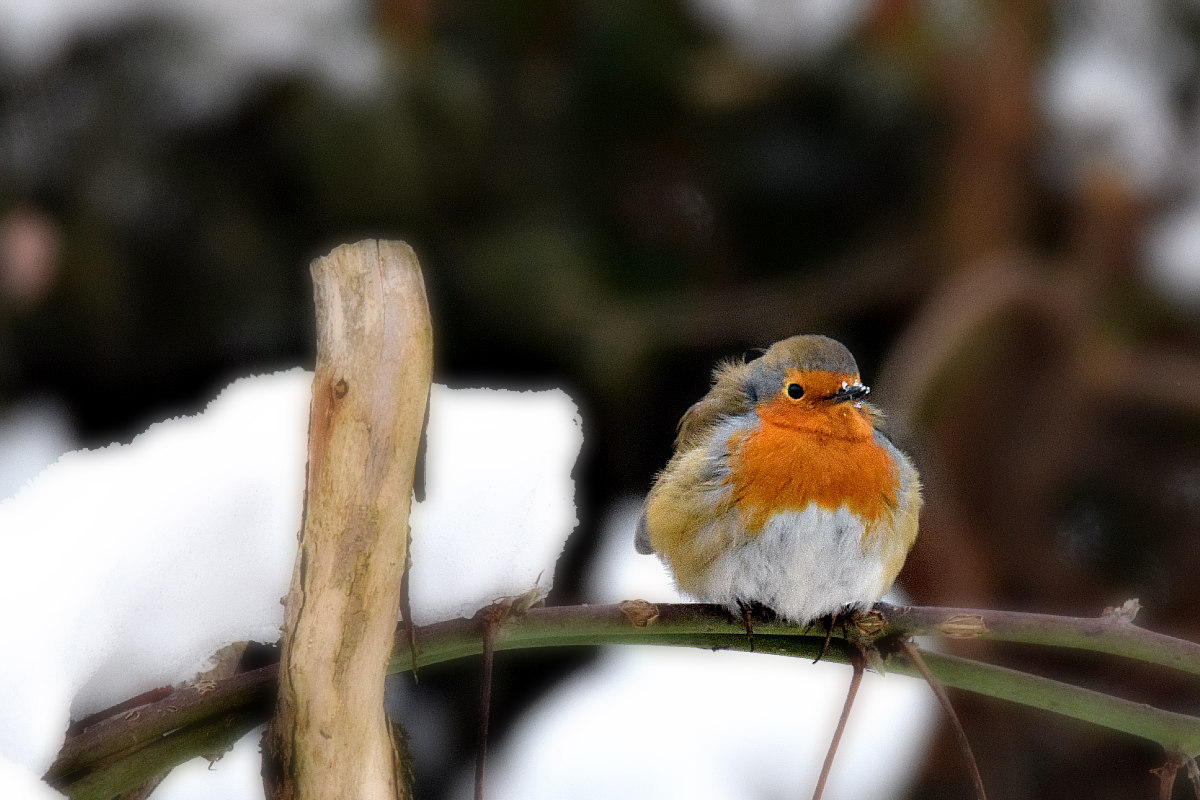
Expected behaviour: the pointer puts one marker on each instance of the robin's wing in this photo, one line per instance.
(641, 539)
(908, 501)
(726, 398)
(909, 489)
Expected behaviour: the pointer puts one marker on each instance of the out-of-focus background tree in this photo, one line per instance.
(995, 205)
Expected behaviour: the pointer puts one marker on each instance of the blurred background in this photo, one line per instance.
(995, 205)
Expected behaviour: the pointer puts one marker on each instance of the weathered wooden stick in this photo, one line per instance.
(329, 737)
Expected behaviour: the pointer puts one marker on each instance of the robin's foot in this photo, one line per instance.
(826, 623)
(748, 613)
(842, 620)
(748, 622)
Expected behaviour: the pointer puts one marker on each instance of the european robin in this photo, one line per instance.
(783, 491)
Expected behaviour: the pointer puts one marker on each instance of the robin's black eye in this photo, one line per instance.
(795, 391)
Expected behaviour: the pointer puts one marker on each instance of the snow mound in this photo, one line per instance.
(124, 569)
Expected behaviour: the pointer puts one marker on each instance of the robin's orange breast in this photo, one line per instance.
(831, 462)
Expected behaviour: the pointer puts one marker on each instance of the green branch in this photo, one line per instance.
(1112, 633)
(582, 625)
(122, 751)
(710, 627)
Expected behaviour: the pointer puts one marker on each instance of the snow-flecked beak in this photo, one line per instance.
(850, 391)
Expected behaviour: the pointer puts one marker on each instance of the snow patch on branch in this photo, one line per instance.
(124, 569)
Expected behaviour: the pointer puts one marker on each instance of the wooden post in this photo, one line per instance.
(329, 737)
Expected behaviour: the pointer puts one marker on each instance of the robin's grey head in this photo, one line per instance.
(776, 370)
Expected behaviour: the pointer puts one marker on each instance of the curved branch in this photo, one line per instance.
(573, 625)
(120, 751)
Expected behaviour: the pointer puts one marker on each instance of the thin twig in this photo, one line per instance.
(1194, 775)
(858, 663)
(1166, 775)
(492, 617)
(914, 655)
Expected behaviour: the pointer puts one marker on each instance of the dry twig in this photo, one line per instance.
(492, 617)
(858, 662)
(914, 655)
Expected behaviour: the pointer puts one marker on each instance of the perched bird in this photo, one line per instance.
(782, 491)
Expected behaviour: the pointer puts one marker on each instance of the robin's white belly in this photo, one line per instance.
(803, 565)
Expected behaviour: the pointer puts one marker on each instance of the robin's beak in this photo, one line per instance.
(850, 391)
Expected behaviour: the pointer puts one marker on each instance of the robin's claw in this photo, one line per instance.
(748, 623)
(826, 623)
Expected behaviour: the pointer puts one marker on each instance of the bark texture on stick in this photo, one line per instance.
(329, 737)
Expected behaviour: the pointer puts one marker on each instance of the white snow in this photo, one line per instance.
(499, 498)
(1172, 253)
(1111, 90)
(782, 32)
(124, 569)
(236, 776)
(670, 723)
(18, 783)
(1112, 109)
(32, 435)
(221, 46)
